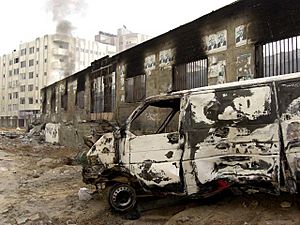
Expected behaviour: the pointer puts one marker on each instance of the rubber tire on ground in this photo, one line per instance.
(122, 197)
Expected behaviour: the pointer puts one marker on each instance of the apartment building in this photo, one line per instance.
(124, 39)
(39, 63)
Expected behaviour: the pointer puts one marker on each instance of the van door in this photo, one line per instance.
(153, 142)
(232, 135)
(289, 112)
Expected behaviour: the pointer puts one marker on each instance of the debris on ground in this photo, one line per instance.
(41, 183)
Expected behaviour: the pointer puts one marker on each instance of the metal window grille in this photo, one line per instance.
(190, 75)
(281, 57)
(103, 93)
(135, 88)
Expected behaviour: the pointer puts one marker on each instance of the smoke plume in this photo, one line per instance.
(61, 10)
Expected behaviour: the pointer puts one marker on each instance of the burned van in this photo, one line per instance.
(201, 141)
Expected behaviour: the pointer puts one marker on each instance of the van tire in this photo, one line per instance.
(122, 197)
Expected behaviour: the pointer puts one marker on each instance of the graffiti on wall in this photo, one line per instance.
(240, 35)
(244, 71)
(216, 70)
(166, 58)
(216, 42)
(149, 64)
(51, 132)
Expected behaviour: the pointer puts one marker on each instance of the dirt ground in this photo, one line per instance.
(39, 185)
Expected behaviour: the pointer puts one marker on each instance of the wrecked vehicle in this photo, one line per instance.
(201, 141)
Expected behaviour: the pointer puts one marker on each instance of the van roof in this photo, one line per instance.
(228, 85)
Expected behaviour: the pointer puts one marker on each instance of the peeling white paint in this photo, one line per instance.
(198, 102)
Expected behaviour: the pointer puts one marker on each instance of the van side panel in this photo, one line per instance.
(232, 135)
(289, 111)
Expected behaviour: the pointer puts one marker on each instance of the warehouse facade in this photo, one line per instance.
(247, 39)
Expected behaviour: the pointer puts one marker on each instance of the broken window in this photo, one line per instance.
(135, 88)
(279, 57)
(161, 116)
(64, 97)
(190, 75)
(103, 93)
(53, 100)
(80, 92)
(44, 103)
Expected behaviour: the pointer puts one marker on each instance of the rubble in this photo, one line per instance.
(44, 191)
(84, 195)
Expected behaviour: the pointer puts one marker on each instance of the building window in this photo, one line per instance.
(135, 88)
(36, 62)
(31, 50)
(10, 72)
(30, 75)
(37, 49)
(31, 62)
(64, 98)
(9, 96)
(23, 76)
(46, 47)
(15, 95)
(45, 73)
(64, 45)
(279, 57)
(23, 51)
(10, 62)
(30, 100)
(16, 71)
(22, 88)
(16, 60)
(22, 101)
(53, 100)
(103, 93)
(190, 75)
(80, 92)
(45, 60)
(23, 64)
(30, 87)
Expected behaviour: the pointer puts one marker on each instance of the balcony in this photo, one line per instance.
(60, 51)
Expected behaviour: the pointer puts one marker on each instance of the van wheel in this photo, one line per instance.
(122, 197)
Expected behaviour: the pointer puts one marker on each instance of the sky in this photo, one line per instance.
(25, 20)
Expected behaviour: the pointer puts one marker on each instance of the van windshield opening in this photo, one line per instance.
(157, 117)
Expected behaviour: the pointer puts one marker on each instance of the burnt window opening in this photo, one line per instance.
(190, 75)
(53, 100)
(279, 57)
(44, 102)
(135, 89)
(80, 92)
(64, 97)
(103, 93)
(161, 116)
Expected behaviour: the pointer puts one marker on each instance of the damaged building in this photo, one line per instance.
(247, 39)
